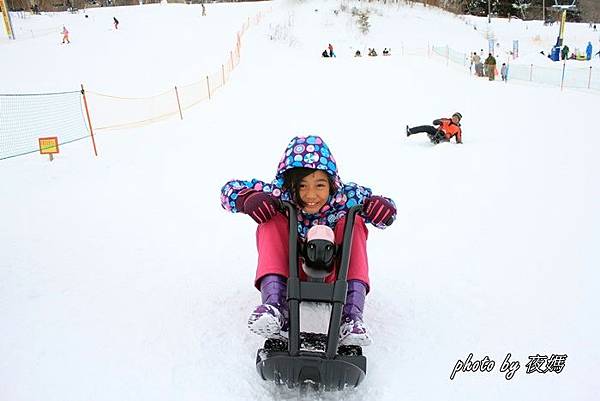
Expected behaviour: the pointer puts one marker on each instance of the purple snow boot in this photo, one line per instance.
(353, 331)
(270, 319)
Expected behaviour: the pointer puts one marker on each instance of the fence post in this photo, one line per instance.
(531, 73)
(87, 113)
(562, 80)
(178, 103)
(223, 69)
(208, 86)
(231, 58)
(590, 78)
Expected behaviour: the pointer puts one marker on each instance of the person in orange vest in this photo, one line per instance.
(446, 129)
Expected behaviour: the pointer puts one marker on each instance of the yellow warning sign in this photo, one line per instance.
(48, 145)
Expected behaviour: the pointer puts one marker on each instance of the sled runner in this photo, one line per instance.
(313, 358)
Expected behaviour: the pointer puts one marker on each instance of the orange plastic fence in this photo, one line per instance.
(110, 112)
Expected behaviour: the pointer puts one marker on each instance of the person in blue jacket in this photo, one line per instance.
(588, 51)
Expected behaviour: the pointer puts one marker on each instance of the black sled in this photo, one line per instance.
(311, 358)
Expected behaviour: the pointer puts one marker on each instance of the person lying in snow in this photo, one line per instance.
(446, 130)
(307, 176)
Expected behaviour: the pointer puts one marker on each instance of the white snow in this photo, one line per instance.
(121, 278)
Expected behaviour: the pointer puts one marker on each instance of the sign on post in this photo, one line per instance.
(49, 146)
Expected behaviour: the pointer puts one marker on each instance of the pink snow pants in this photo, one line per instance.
(272, 245)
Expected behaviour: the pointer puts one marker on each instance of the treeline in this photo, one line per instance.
(585, 10)
(66, 5)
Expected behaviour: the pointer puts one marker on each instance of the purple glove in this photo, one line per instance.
(257, 204)
(379, 210)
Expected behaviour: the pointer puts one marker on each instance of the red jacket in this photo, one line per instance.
(449, 129)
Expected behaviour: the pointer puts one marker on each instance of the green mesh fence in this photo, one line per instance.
(451, 55)
(25, 118)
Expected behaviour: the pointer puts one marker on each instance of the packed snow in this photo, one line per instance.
(122, 278)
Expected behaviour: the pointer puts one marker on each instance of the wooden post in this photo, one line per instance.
(178, 103)
(87, 113)
(208, 86)
(590, 78)
(231, 58)
(562, 81)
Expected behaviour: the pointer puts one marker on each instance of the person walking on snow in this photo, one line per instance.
(116, 22)
(504, 72)
(65, 34)
(448, 128)
(307, 176)
(490, 67)
(331, 53)
(564, 53)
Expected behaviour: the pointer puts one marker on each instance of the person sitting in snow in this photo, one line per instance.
(357, 54)
(307, 176)
(386, 52)
(325, 53)
(446, 130)
(372, 52)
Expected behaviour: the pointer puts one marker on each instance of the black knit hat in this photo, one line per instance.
(457, 114)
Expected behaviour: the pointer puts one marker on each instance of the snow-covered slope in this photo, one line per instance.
(121, 278)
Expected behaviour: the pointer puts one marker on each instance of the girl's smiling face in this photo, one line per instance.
(314, 191)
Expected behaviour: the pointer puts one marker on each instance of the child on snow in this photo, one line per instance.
(307, 176)
(116, 22)
(504, 72)
(448, 128)
(65, 34)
